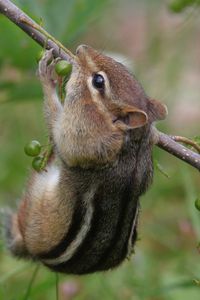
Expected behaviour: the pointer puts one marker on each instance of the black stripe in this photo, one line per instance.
(70, 266)
(75, 226)
(81, 262)
(89, 239)
(121, 235)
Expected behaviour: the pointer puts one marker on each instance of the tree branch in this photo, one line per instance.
(168, 144)
(37, 33)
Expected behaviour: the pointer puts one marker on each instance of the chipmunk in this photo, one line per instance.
(80, 215)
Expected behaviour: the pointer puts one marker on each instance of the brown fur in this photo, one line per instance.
(77, 217)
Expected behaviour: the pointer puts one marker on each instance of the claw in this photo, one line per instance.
(46, 69)
(48, 55)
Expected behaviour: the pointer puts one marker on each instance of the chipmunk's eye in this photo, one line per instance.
(98, 81)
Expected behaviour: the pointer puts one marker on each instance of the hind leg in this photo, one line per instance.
(40, 222)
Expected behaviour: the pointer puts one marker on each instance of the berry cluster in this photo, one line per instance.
(33, 148)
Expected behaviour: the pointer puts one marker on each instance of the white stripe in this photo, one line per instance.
(70, 250)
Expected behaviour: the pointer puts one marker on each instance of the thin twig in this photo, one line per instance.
(184, 140)
(57, 287)
(37, 33)
(26, 21)
(28, 291)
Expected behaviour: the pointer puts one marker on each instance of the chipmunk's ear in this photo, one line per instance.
(157, 110)
(130, 117)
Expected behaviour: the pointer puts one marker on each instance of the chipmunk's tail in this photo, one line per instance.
(11, 233)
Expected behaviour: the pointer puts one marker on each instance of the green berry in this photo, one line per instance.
(37, 163)
(39, 55)
(197, 204)
(63, 68)
(32, 148)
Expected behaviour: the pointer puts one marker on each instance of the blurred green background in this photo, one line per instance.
(161, 41)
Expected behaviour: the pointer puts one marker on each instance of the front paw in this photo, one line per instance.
(46, 69)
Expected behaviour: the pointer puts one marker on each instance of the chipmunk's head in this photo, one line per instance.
(108, 102)
(109, 85)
